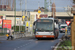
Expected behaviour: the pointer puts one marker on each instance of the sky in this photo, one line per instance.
(33, 4)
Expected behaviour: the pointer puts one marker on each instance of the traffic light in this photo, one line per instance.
(27, 28)
(23, 17)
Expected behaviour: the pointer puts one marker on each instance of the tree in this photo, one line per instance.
(45, 5)
(74, 1)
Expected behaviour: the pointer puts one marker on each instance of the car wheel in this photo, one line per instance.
(60, 31)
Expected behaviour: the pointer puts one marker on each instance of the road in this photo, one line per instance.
(29, 44)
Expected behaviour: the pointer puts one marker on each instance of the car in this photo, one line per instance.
(63, 27)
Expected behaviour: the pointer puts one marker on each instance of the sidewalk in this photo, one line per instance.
(22, 35)
(3, 37)
(16, 36)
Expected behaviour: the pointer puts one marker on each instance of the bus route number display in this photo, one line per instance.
(44, 20)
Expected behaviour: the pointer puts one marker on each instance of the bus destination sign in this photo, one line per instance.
(44, 20)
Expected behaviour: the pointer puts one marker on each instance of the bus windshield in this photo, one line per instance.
(44, 26)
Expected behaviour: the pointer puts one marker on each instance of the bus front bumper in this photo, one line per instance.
(44, 36)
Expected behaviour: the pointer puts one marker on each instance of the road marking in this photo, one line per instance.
(52, 41)
(60, 39)
(15, 49)
(18, 47)
(22, 45)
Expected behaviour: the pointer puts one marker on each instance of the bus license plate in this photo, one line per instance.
(44, 36)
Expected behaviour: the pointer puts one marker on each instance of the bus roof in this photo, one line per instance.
(48, 18)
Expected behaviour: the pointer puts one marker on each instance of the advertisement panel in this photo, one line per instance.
(6, 24)
(0, 23)
(2, 17)
(38, 16)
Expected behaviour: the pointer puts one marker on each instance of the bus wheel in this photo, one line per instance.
(54, 38)
(57, 37)
(38, 38)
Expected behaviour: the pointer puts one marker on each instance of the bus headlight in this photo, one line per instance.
(52, 33)
(37, 33)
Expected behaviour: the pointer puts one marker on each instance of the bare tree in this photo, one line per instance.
(74, 1)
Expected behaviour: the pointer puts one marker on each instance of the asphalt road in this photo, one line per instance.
(29, 44)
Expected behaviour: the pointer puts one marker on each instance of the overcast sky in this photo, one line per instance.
(33, 4)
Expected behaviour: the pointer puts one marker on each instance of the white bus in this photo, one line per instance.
(46, 28)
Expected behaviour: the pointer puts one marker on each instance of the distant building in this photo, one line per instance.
(5, 7)
(41, 8)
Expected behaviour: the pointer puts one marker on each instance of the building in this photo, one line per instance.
(5, 7)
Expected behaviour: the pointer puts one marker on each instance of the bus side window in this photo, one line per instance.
(34, 24)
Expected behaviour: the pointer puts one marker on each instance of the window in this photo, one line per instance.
(17, 22)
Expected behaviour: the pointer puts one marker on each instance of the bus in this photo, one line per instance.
(46, 28)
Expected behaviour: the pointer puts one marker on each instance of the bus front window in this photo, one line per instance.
(44, 26)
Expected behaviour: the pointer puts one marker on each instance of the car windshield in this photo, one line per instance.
(63, 26)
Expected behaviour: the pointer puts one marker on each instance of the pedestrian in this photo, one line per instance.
(10, 35)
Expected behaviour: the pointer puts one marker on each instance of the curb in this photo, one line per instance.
(55, 48)
(57, 45)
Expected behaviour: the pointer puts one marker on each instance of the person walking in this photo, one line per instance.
(10, 35)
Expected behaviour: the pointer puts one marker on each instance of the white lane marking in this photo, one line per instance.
(22, 45)
(15, 49)
(52, 40)
(18, 47)
(60, 39)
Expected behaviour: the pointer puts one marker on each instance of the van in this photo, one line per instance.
(62, 27)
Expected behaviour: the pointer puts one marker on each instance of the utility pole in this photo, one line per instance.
(19, 18)
(20, 5)
(15, 15)
(25, 15)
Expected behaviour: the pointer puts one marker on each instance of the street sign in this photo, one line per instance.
(30, 25)
(23, 16)
(68, 22)
(39, 11)
(27, 24)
